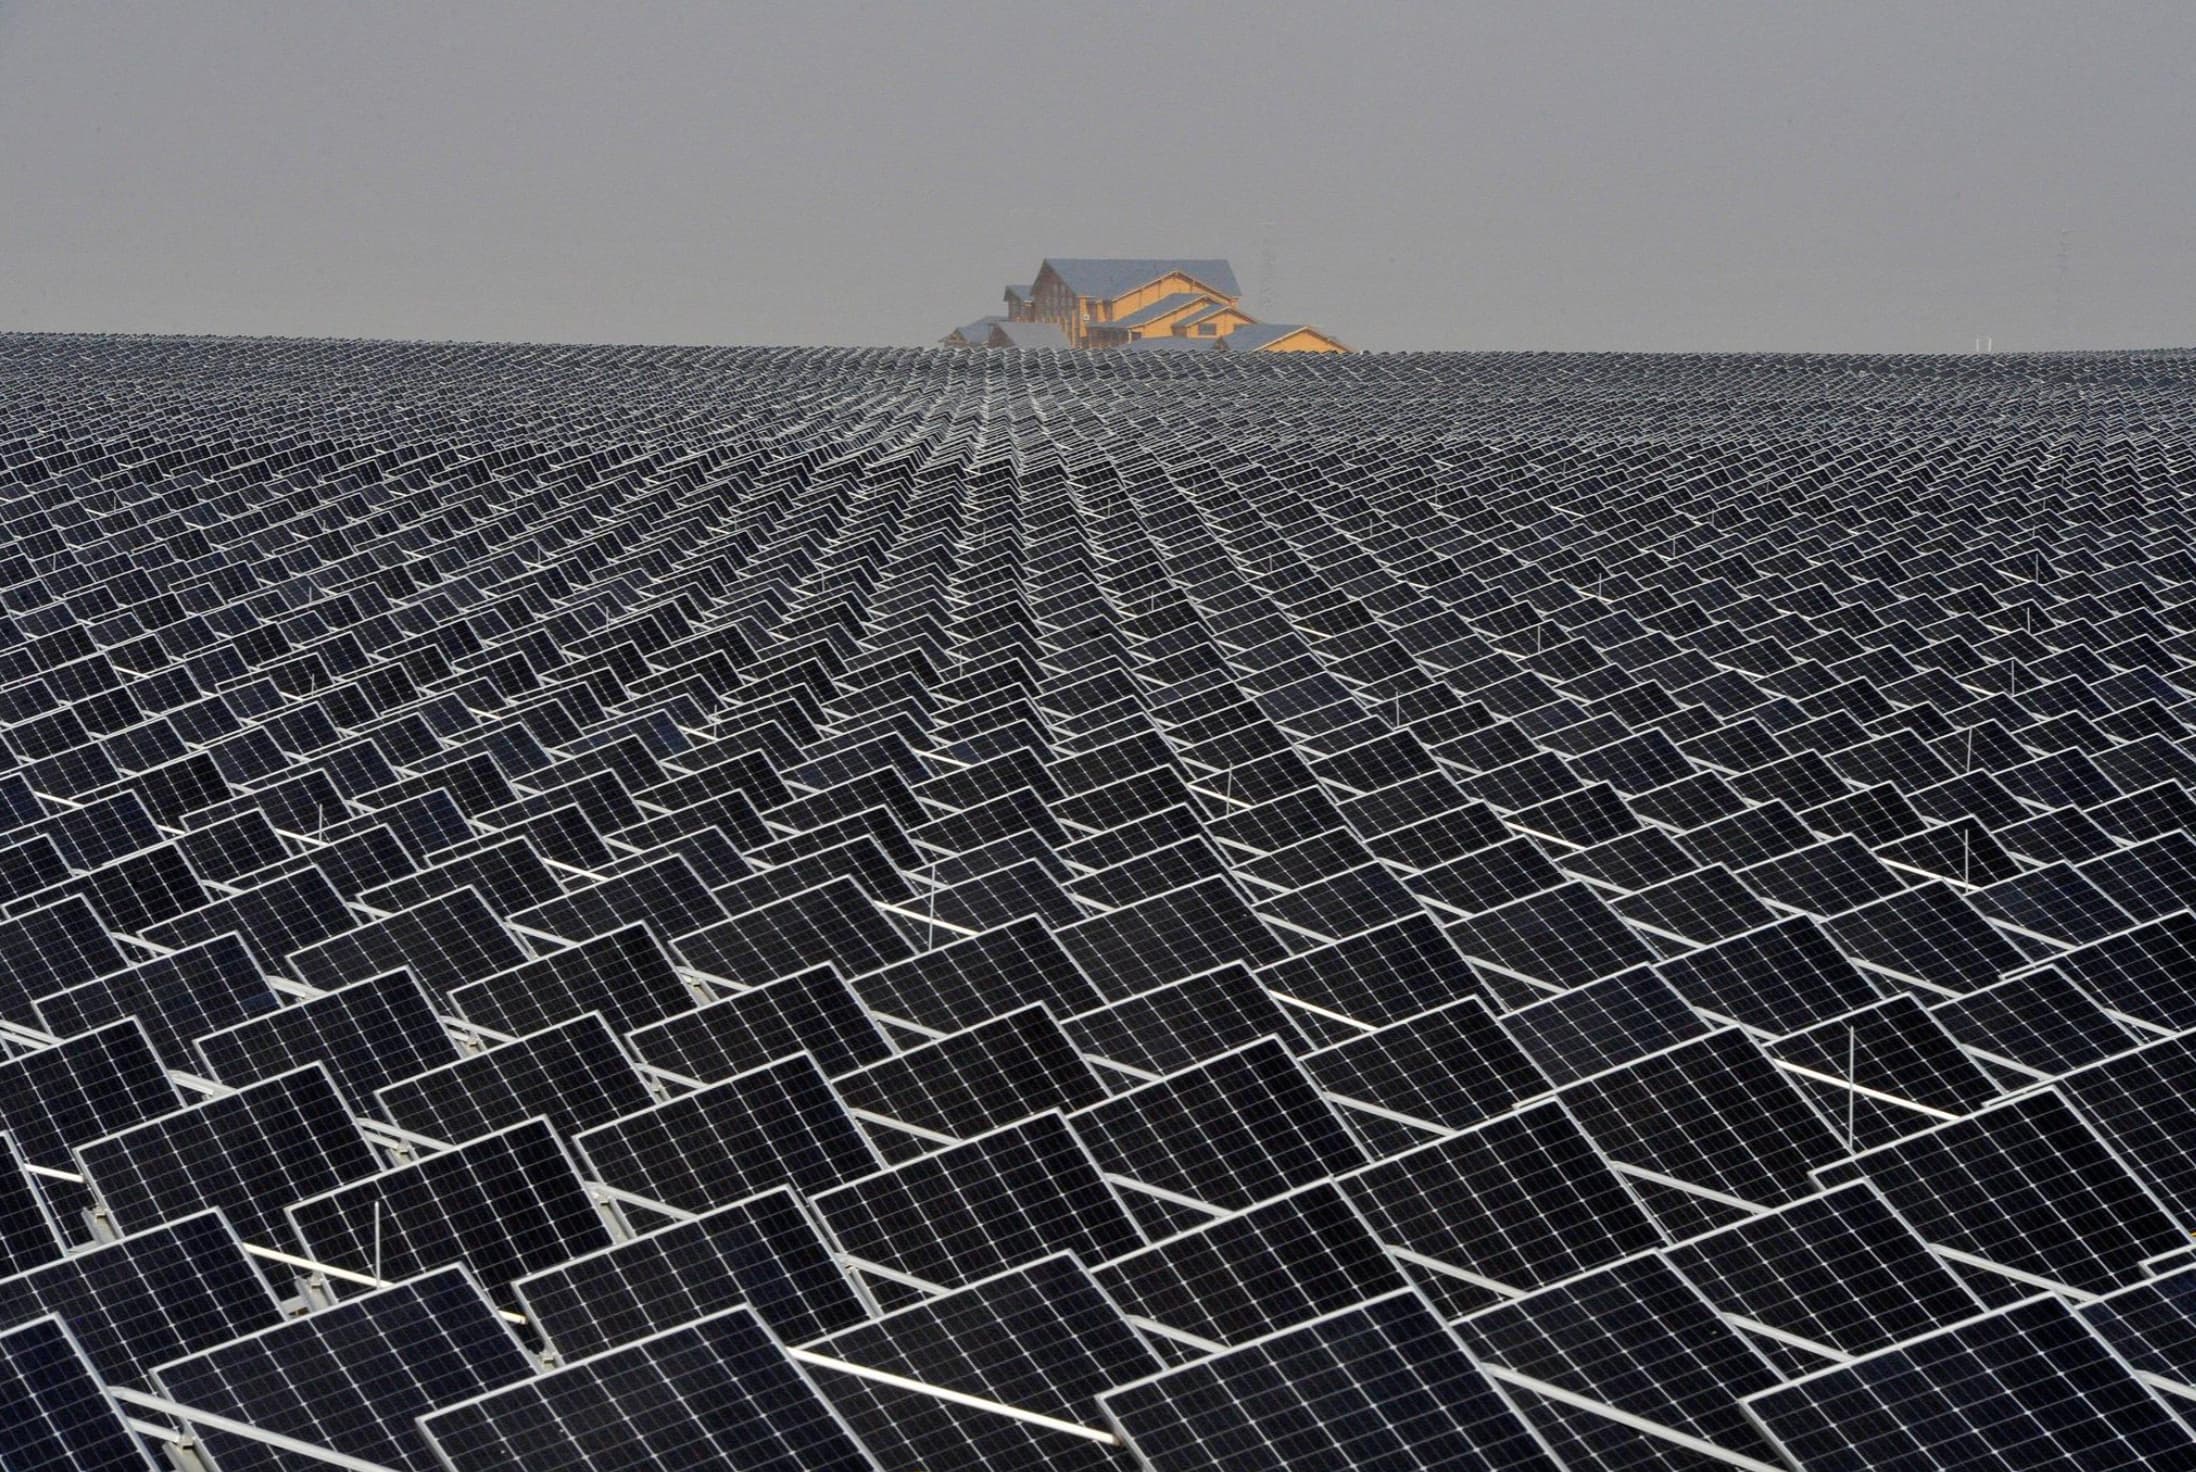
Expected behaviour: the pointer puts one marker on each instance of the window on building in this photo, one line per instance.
(1204, 329)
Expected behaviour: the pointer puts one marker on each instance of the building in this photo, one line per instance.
(1077, 294)
(1025, 335)
(1192, 314)
(974, 334)
(1279, 337)
(1110, 302)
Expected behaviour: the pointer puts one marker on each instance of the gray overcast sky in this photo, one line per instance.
(1682, 174)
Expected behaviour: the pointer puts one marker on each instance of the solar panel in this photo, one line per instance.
(774, 1125)
(2027, 1185)
(1002, 894)
(1755, 836)
(1824, 879)
(31, 865)
(1382, 975)
(1184, 1022)
(2064, 836)
(1432, 838)
(1840, 1272)
(625, 975)
(80, 1089)
(2152, 1325)
(1124, 841)
(962, 983)
(666, 895)
(508, 875)
(249, 1153)
(1285, 1261)
(504, 1204)
(1384, 1383)
(1780, 978)
(2028, 1385)
(54, 1413)
(718, 1393)
(575, 1075)
(148, 1298)
(354, 863)
(1522, 1200)
(353, 1376)
(364, 1034)
(1636, 1337)
(1041, 1339)
(834, 922)
(994, 1202)
(1701, 908)
(1928, 934)
(29, 1236)
(565, 835)
(443, 942)
(1962, 850)
(175, 998)
(49, 949)
(279, 914)
(1715, 1115)
(2143, 973)
(764, 1252)
(1452, 1067)
(1145, 875)
(2140, 1103)
(1169, 936)
(1631, 862)
(994, 1073)
(860, 858)
(2037, 1022)
(811, 1011)
(1604, 1023)
(2055, 902)
(1913, 1073)
(1229, 1132)
(1562, 938)
(132, 893)
(1322, 856)
(1456, 821)
(2152, 879)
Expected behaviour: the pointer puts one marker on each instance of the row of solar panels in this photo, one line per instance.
(696, 954)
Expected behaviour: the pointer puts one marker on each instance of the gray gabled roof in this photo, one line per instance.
(1196, 317)
(974, 333)
(1160, 308)
(1107, 277)
(1021, 293)
(1025, 335)
(1255, 336)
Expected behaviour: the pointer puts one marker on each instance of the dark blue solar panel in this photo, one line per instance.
(1275, 827)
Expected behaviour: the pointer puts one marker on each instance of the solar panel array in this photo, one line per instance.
(597, 907)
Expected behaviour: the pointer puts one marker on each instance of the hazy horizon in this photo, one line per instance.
(1695, 176)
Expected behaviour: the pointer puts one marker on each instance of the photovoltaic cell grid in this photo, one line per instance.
(352, 1377)
(54, 1412)
(1476, 909)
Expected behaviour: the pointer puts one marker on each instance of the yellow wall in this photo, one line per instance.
(1144, 296)
(1222, 323)
(1161, 325)
(1304, 340)
(1070, 313)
